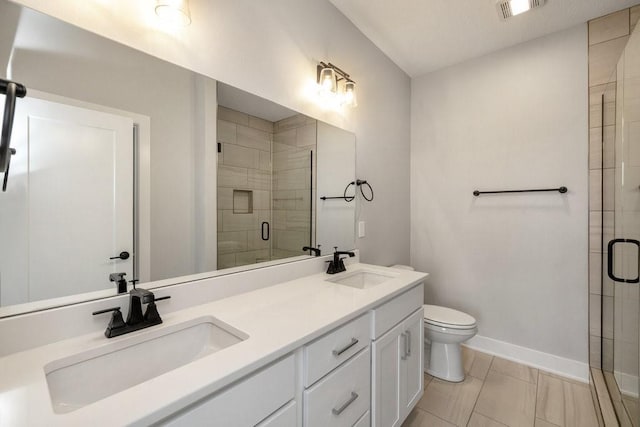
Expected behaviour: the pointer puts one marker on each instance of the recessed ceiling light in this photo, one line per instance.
(509, 8)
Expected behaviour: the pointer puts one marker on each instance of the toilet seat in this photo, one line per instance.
(447, 317)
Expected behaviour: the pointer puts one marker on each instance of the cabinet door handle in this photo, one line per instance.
(345, 348)
(408, 342)
(345, 405)
(404, 346)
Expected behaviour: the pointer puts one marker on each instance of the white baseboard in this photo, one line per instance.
(547, 362)
(628, 384)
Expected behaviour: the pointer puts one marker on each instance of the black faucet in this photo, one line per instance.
(120, 280)
(135, 319)
(316, 251)
(337, 265)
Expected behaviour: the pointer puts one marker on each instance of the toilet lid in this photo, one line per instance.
(444, 316)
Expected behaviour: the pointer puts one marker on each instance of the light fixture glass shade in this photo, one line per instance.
(174, 12)
(519, 6)
(350, 94)
(327, 80)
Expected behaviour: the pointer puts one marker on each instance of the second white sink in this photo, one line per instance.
(87, 377)
(362, 279)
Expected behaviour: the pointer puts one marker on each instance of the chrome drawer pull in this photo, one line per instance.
(404, 344)
(352, 399)
(408, 342)
(348, 346)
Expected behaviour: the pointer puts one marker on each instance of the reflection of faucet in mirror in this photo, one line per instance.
(135, 320)
(337, 264)
(316, 251)
(120, 280)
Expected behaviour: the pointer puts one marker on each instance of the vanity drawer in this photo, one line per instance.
(391, 313)
(342, 397)
(365, 421)
(245, 403)
(283, 417)
(329, 351)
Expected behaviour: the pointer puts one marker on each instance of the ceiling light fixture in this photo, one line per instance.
(335, 84)
(174, 12)
(509, 8)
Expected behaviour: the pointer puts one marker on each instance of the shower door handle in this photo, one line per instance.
(266, 231)
(610, 246)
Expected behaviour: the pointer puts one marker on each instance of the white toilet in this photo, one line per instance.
(445, 329)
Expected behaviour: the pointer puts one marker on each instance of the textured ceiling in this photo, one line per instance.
(421, 36)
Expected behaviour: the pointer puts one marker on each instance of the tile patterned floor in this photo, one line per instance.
(499, 393)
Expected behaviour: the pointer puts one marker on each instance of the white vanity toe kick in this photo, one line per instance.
(277, 320)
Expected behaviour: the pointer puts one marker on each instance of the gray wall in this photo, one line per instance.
(514, 119)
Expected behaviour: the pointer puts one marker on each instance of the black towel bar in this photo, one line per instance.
(561, 190)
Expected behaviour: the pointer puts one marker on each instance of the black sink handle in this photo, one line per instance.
(106, 310)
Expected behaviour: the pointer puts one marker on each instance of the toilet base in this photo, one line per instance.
(445, 362)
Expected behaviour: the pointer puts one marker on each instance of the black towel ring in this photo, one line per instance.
(362, 183)
(348, 198)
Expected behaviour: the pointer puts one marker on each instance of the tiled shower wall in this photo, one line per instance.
(607, 38)
(243, 164)
(294, 141)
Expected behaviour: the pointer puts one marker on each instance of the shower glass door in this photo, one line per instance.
(621, 237)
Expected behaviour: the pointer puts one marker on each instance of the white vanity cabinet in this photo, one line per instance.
(397, 378)
(337, 376)
(341, 398)
(350, 381)
(250, 401)
(366, 372)
(313, 351)
(284, 417)
(331, 350)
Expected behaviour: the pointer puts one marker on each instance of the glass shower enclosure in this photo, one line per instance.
(620, 235)
(266, 178)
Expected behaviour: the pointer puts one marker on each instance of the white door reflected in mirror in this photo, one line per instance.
(69, 207)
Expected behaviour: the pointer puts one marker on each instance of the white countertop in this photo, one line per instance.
(278, 319)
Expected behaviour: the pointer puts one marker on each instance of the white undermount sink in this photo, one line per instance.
(87, 377)
(362, 279)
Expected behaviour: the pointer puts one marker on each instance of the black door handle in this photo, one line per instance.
(12, 151)
(123, 255)
(268, 231)
(610, 246)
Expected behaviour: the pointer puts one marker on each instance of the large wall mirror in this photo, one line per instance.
(128, 164)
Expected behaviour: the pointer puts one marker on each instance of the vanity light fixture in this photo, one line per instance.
(327, 79)
(174, 12)
(336, 84)
(509, 8)
(350, 94)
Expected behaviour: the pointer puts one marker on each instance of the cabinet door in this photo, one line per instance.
(387, 410)
(411, 357)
